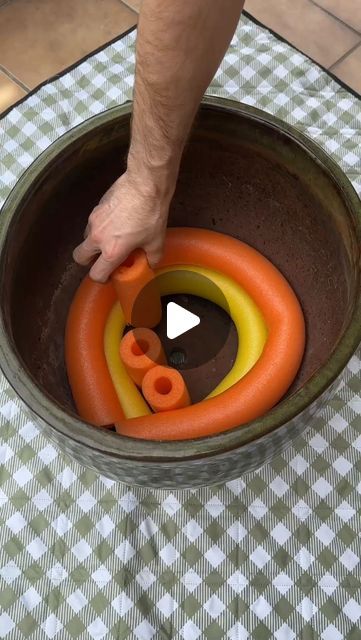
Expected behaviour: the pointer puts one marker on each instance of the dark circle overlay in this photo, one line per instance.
(205, 353)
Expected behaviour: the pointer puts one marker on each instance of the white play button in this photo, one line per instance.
(179, 320)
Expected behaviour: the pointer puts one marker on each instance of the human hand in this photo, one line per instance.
(130, 215)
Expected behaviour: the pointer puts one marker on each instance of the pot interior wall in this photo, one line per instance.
(246, 181)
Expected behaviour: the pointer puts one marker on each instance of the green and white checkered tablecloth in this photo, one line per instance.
(275, 554)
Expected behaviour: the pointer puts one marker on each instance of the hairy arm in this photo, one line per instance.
(180, 44)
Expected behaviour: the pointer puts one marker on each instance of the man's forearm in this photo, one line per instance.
(180, 44)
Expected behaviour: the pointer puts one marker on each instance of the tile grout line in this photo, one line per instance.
(125, 4)
(10, 75)
(19, 82)
(315, 4)
(345, 55)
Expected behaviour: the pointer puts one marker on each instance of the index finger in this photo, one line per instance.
(103, 267)
(85, 251)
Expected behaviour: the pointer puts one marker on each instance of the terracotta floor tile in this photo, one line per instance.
(349, 11)
(305, 25)
(349, 70)
(39, 38)
(10, 92)
(134, 4)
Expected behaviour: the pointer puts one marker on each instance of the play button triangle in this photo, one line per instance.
(179, 320)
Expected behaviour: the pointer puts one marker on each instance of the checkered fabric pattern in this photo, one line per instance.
(275, 554)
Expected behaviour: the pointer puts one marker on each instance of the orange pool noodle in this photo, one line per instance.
(137, 291)
(165, 390)
(93, 392)
(265, 384)
(256, 393)
(140, 351)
